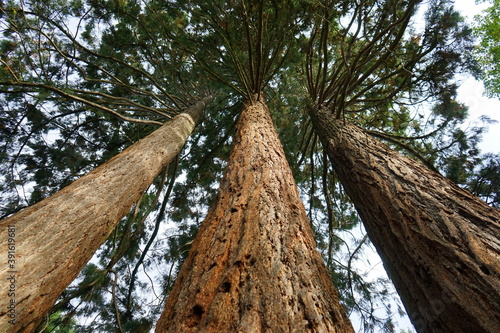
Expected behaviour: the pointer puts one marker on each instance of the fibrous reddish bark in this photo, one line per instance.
(253, 266)
(439, 243)
(52, 240)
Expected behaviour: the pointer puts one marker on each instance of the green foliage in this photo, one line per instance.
(485, 180)
(81, 80)
(242, 44)
(487, 52)
(59, 323)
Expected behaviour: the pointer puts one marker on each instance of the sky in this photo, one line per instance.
(471, 92)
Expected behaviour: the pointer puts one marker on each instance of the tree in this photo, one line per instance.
(439, 244)
(258, 74)
(437, 241)
(254, 264)
(61, 233)
(486, 183)
(58, 79)
(101, 74)
(488, 50)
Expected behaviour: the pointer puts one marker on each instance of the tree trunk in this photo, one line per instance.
(253, 266)
(439, 244)
(50, 242)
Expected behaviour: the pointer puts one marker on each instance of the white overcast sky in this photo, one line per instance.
(471, 91)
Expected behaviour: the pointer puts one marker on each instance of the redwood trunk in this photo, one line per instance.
(51, 241)
(439, 243)
(253, 266)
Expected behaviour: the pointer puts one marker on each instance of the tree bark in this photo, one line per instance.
(253, 266)
(51, 241)
(439, 244)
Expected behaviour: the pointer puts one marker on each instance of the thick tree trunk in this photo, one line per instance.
(50, 242)
(254, 266)
(439, 243)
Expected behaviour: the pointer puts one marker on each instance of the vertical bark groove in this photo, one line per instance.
(439, 244)
(254, 266)
(56, 237)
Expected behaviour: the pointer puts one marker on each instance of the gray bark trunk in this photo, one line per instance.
(51, 241)
(253, 266)
(439, 243)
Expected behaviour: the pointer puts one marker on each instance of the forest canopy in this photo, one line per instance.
(81, 80)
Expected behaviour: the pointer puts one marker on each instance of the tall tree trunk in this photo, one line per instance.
(439, 243)
(253, 266)
(50, 242)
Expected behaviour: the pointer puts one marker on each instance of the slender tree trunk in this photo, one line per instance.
(253, 266)
(50, 242)
(439, 243)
